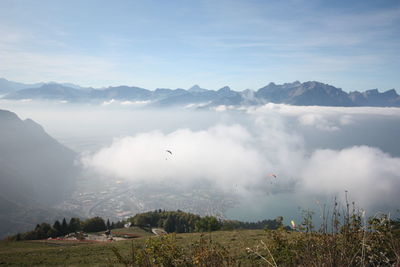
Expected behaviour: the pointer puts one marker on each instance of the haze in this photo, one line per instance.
(240, 109)
(316, 153)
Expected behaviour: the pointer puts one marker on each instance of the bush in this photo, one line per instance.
(347, 238)
(165, 251)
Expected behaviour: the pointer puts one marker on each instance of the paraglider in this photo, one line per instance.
(168, 152)
(272, 175)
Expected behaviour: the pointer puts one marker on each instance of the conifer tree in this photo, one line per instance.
(57, 228)
(74, 225)
(64, 227)
(169, 224)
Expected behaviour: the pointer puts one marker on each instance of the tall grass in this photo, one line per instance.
(346, 237)
(165, 251)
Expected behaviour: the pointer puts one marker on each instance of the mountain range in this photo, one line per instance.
(36, 172)
(296, 93)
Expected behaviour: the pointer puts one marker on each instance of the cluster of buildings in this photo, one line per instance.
(116, 200)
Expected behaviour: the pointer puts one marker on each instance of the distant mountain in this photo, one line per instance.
(52, 91)
(296, 93)
(374, 98)
(197, 89)
(36, 172)
(320, 94)
(7, 86)
(304, 94)
(121, 93)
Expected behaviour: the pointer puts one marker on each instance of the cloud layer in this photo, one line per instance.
(243, 156)
(371, 176)
(221, 154)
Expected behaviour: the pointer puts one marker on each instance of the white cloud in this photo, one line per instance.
(245, 155)
(324, 118)
(318, 121)
(220, 154)
(369, 175)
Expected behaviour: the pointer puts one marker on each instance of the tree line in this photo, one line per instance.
(58, 229)
(171, 221)
(184, 222)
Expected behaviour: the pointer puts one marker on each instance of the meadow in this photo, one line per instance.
(376, 243)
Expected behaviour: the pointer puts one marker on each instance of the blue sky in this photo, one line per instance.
(354, 45)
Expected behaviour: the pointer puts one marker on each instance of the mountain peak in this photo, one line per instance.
(225, 89)
(391, 93)
(196, 89)
(8, 115)
(372, 92)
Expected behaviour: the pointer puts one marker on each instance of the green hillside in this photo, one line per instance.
(100, 253)
(351, 247)
(345, 239)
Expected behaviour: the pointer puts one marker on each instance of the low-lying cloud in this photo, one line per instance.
(221, 154)
(315, 152)
(245, 156)
(370, 176)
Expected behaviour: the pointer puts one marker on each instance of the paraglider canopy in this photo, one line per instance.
(168, 152)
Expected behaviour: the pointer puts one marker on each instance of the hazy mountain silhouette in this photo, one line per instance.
(7, 86)
(36, 172)
(296, 93)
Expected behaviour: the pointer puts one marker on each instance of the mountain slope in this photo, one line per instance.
(52, 91)
(7, 86)
(320, 94)
(36, 171)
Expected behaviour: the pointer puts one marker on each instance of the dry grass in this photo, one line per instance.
(345, 238)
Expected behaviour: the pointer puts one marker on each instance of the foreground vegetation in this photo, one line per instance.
(221, 248)
(170, 221)
(45, 230)
(346, 237)
(377, 244)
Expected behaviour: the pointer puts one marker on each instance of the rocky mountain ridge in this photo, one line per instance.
(296, 93)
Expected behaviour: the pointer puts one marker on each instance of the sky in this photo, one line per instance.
(152, 44)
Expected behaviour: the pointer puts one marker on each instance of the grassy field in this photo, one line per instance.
(348, 247)
(131, 232)
(100, 254)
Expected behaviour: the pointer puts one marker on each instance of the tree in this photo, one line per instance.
(64, 227)
(43, 231)
(208, 224)
(169, 224)
(74, 225)
(52, 233)
(31, 235)
(180, 225)
(95, 224)
(108, 224)
(57, 228)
